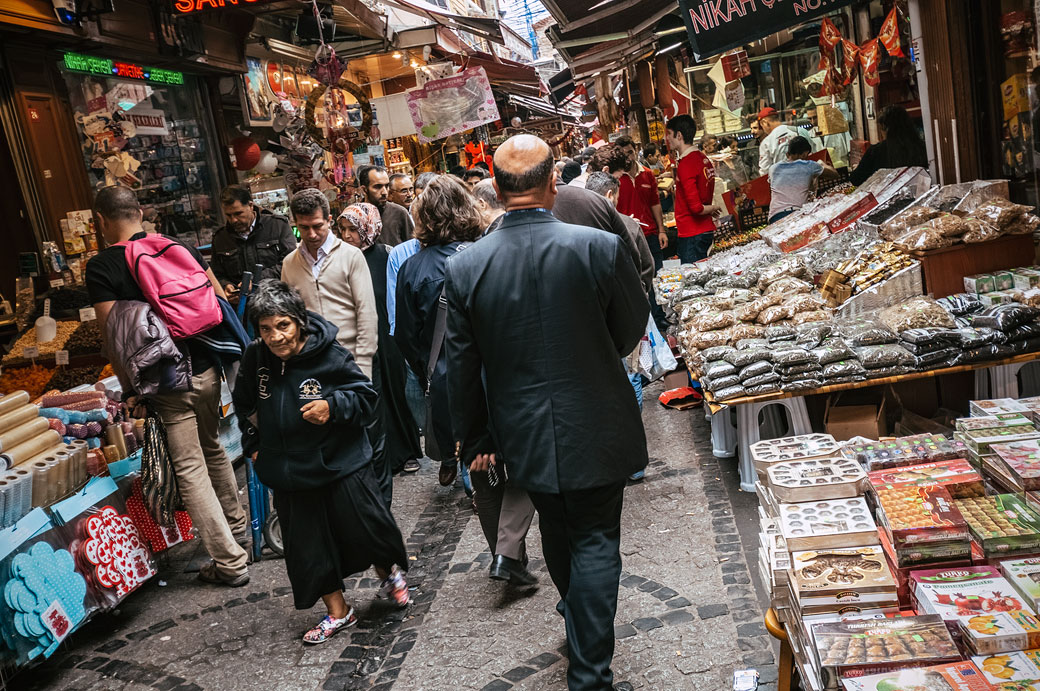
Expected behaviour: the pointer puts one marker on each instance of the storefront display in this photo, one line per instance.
(146, 128)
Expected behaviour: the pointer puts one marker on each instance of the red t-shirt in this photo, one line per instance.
(694, 189)
(638, 200)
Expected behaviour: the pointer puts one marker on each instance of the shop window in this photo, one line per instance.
(155, 140)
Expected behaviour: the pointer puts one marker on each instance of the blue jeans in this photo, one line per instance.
(654, 241)
(695, 248)
(637, 384)
(781, 214)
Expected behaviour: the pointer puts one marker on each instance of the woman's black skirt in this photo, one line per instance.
(335, 531)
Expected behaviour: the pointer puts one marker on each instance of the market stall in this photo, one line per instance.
(906, 563)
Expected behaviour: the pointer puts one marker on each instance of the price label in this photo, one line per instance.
(61, 357)
(30, 353)
(57, 283)
(87, 314)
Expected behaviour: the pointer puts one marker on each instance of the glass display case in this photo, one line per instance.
(153, 138)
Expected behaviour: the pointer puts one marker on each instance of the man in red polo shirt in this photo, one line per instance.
(639, 199)
(694, 191)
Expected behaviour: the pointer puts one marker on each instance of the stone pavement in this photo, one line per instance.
(687, 617)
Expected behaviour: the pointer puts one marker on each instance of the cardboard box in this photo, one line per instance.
(1016, 670)
(843, 422)
(982, 283)
(676, 380)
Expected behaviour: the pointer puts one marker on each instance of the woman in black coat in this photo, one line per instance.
(303, 406)
(360, 225)
(446, 221)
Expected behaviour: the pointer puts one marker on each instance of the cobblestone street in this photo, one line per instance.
(687, 616)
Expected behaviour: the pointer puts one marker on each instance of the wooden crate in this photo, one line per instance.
(944, 269)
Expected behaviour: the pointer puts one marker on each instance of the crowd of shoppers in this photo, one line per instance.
(491, 317)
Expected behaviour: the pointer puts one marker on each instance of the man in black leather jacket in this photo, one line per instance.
(251, 236)
(540, 313)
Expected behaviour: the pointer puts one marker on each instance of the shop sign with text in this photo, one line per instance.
(192, 6)
(714, 26)
(89, 64)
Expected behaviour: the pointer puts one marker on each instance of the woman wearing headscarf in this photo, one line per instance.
(304, 406)
(360, 225)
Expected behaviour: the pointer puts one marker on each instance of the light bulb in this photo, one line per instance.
(397, 55)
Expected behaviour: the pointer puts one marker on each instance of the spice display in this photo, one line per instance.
(86, 340)
(32, 379)
(28, 340)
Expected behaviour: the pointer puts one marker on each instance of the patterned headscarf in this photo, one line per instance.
(365, 218)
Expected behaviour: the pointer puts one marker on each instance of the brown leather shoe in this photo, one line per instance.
(448, 473)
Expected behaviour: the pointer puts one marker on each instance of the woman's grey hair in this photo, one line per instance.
(423, 181)
(601, 183)
(272, 298)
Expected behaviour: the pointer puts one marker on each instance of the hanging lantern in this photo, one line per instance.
(247, 153)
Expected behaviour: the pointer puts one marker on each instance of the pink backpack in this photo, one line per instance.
(174, 284)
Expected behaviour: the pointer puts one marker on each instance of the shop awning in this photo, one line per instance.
(485, 27)
(499, 69)
(562, 85)
(606, 32)
(354, 17)
(545, 108)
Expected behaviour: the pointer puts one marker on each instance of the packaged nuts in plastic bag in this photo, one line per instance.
(915, 313)
(979, 230)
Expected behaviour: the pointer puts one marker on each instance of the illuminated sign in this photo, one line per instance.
(126, 70)
(189, 6)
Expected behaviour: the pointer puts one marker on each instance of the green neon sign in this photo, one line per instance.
(89, 64)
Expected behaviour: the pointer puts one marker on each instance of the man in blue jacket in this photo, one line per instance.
(540, 313)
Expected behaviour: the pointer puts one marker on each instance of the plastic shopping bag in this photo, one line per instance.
(655, 356)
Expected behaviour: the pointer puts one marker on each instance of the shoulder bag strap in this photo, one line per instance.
(440, 326)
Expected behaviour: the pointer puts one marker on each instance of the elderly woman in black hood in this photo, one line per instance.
(303, 405)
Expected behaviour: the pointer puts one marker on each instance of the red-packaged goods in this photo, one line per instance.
(958, 477)
(914, 515)
(830, 37)
(889, 35)
(869, 60)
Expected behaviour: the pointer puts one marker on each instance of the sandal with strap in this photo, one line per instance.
(328, 627)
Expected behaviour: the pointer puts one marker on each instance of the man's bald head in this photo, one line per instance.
(524, 163)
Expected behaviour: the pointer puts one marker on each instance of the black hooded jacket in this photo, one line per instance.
(295, 454)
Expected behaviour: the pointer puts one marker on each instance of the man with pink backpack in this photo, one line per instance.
(183, 293)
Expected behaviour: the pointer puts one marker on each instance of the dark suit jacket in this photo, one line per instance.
(545, 311)
(580, 207)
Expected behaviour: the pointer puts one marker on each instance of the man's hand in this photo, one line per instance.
(662, 237)
(711, 209)
(481, 462)
(135, 406)
(230, 288)
(316, 412)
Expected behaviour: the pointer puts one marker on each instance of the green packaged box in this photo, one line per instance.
(1001, 524)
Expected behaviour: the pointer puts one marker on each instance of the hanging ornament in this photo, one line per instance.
(830, 37)
(267, 164)
(869, 60)
(316, 131)
(889, 35)
(850, 61)
(247, 153)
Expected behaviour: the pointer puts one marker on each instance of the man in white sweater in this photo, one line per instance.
(333, 278)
